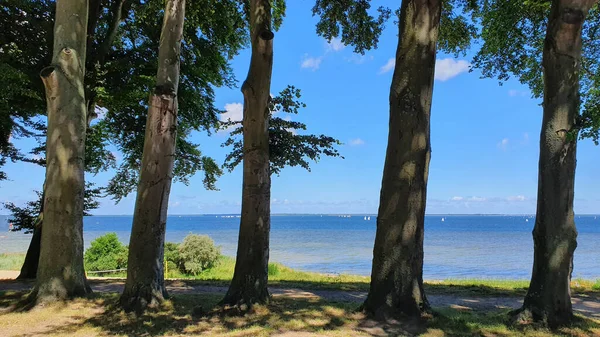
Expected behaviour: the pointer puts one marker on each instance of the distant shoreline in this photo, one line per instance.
(323, 214)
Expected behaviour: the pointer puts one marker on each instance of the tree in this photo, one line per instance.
(249, 283)
(122, 37)
(213, 34)
(145, 272)
(556, 39)
(60, 270)
(548, 298)
(30, 219)
(287, 148)
(397, 272)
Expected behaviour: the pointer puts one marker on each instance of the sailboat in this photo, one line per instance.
(368, 218)
(443, 219)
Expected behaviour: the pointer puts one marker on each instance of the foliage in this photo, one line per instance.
(512, 45)
(24, 50)
(28, 216)
(213, 34)
(358, 28)
(457, 28)
(172, 255)
(198, 253)
(351, 20)
(106, 253)
(286, 146)
(120, 68)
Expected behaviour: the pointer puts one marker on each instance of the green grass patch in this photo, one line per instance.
(283, 276)
(12, 261)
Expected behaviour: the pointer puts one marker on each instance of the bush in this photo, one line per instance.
(273, 269)
(106, 253)
(172, 255)
(198, 252)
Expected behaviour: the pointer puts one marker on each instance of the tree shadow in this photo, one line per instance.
(289, 316)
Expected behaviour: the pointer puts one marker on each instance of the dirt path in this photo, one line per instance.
(583, 304)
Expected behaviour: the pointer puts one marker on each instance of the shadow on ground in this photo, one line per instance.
(283, 317)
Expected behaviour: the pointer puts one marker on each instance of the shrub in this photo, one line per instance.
(106, 253)
(273, 269)
(172, 255)
(198, 252)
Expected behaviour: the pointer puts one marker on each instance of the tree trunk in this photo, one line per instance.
(397, 274)
(145, 271)
(249, 283)
(60, 272)
(30, 265)
(548, 299)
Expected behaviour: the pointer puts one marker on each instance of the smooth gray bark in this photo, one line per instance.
(249, 283)
(397, 273)
(145, 271)
(555, 237)
(60, 272)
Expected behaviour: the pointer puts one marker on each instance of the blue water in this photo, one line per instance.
(460, 247)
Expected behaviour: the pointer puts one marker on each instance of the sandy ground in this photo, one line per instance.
(586, 305)
(8, 274)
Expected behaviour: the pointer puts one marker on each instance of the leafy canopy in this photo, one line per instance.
(358, 27)
(512, 46)
(286, 146)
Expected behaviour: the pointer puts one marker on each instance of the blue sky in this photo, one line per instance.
(484, 136)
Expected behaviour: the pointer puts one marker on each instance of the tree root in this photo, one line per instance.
(141, 298)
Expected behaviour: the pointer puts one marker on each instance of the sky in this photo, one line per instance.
(485, 137)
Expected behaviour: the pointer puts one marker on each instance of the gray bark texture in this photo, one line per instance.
(548, 299)
(249, 283)
(145, 271)
(397, 273)
(32, 258)
(60, 272)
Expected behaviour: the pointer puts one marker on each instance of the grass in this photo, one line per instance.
(283, 276)
(284, 316)
(11, 261)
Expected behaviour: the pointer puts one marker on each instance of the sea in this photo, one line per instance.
(456, 246)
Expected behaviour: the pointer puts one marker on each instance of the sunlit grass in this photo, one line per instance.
(11, 261)
(283, 316)
(283, 276)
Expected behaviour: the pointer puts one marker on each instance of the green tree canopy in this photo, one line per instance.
(123, 38)
(512, 43)
(286, 146)
(355, 23)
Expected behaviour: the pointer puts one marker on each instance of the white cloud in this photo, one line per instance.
(516, 198)
(359, 59)
(445, 69)
(312, 63)
(448, 68)
(503, 144)
(477, 199)
(234, 112)
(515, 93)
(525, 140)
(457, 198)
(388, 66)
(356, 142)
(335, 45)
